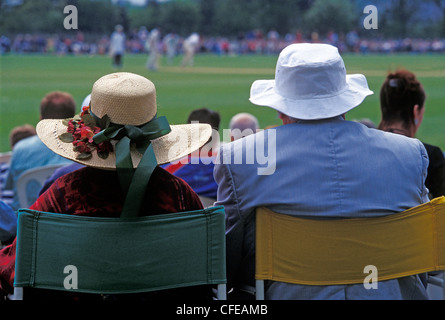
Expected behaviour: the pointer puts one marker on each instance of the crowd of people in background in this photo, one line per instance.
(171, 44)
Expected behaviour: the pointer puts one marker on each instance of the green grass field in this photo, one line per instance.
(219, 83)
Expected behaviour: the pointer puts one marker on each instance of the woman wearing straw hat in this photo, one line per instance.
(325, 167)
(121, 141)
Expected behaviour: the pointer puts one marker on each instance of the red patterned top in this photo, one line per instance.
(93, 192)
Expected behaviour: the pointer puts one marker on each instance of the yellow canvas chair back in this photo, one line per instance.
(337, 251)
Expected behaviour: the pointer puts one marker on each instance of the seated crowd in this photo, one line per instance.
(324, 165)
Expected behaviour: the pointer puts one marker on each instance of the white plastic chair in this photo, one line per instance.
(30, 183)
(5, 157)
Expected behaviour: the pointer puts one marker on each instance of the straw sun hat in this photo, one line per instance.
(124, 100)
(311, 83)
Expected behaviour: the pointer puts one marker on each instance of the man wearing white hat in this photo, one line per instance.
(326, 167)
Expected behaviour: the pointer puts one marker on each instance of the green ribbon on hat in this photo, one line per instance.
(133, 181)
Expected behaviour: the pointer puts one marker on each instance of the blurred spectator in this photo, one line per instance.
(153, 50)
(70, 167)
(402, 102)
(5, 44)
(243, 124)
(17, 134)
(31, 152)
(171, 43)
(197, 169)
(190, 46)
(21, 132)
(117, 46)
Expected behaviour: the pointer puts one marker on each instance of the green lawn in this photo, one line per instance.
(220, 83)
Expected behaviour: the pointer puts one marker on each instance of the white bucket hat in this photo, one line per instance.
(311, 83)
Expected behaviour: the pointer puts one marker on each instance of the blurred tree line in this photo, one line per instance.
(397, 18)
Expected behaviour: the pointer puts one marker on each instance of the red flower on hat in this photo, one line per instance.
(86, 133)
(80, 132)
(81, 146)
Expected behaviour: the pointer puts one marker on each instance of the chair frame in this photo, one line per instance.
(438, 281)
(206, 201)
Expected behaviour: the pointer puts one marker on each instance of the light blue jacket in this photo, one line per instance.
(27, 154)
(327, 168)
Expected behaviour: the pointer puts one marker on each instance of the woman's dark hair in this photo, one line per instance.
(205, 115)
(400, 92)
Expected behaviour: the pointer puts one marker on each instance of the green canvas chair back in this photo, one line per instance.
(118, 256)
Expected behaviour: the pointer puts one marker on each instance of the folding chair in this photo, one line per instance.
(206, 201)
(333, 252)
(120, 256)
(436, 290)
(31, 182)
